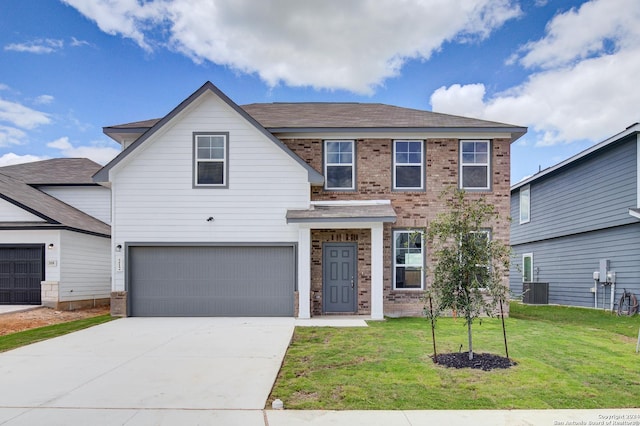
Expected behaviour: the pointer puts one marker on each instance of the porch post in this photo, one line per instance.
(304, 272)
(377, 269)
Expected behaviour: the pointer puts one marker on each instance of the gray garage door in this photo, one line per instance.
(212, 281)
(21, 271)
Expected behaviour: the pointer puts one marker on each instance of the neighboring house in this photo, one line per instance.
(54, 235)
(289, 209)
(576, 217)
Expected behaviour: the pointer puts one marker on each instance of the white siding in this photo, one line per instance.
(45, 237)
(85, 267)
(93, 200)
(154, 199)
(9, 212)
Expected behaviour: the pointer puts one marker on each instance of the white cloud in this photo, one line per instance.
(38, 46)
(11, 158)
(98, 151)
(585, 86)
(597, 27)
(332, 44)
(77, 43)
(22, 116)
(44, 99)
(11, 136)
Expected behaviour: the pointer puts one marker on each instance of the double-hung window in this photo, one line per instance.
(408, 260)
(525, 204)
(475, 164)
(211, 163)
(339, 165)
(408, 165)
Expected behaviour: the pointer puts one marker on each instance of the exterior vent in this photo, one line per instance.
(535, 293)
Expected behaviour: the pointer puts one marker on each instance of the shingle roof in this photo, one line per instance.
(344, 213)
(319, 115)
(16, 187)
(357, 115)
(56, 171)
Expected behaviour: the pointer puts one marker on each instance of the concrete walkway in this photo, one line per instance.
(189, 371)
(143, 364)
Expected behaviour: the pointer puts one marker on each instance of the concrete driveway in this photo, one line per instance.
(125, 370)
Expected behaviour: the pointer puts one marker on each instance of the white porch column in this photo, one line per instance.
(377, 268)
(304, 272)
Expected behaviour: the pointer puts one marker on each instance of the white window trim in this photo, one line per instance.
(395, 166)
(352, 164)
(525, 255)
(488, 164)
(224, 161)
(526, 189)
(394, 265)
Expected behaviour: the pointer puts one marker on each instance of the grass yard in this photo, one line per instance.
(566, 358)
(22, 338)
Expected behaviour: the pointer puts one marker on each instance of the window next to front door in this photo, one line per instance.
(408, 260)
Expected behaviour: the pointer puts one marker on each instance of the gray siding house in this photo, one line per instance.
(578, 217)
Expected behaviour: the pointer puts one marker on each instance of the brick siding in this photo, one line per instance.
(414, 209)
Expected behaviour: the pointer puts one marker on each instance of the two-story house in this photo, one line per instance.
(55, 245)
(289, 209)
(578, 218)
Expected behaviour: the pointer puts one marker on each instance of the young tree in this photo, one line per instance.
(469, 264)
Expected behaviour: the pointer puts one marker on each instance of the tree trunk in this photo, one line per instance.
(470, 340)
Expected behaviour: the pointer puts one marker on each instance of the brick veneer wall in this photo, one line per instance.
(362, 237)
(414, 209)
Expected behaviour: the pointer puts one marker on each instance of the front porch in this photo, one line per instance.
(340, 257)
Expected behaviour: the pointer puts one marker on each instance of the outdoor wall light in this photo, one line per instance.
(119, 248)
(210, 219)
(50, 246)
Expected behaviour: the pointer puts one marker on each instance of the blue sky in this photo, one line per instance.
(567, 70)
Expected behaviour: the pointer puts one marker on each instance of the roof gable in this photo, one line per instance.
(103, 175)
(16, 188)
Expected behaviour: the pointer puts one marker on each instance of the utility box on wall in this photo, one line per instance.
(535, 293)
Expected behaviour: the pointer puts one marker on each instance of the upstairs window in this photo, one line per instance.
(339, 165)
(475, 165)
(408, 161)
(211, 159)
(525, 204)
(408, 260)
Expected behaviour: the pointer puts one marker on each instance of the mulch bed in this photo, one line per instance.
(484, 362)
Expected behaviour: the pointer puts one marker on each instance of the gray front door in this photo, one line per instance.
(339, 277)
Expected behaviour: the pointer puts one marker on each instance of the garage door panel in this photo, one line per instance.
(21, 272)
(212, 281)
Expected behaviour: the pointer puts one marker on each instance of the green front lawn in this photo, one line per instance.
(566, 358)
(22, 338)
